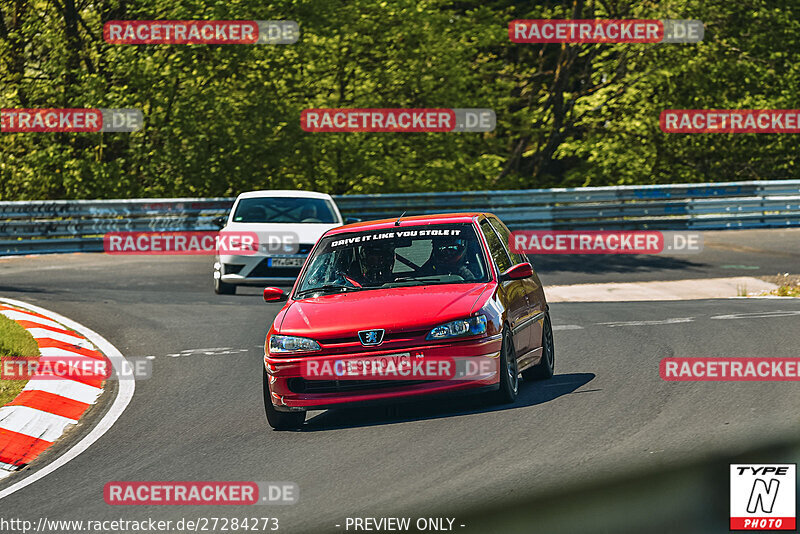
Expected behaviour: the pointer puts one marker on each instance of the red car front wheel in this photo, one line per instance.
(280, 420)
(509, 373)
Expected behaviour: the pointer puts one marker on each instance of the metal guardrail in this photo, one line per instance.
(38, 227)
(660, 207)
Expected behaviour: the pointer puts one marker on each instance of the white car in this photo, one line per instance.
(287, 223)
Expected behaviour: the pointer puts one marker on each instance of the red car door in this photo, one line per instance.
(513, 293)
(535, 300)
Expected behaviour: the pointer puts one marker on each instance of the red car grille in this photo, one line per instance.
(301, 385)
(390, 340)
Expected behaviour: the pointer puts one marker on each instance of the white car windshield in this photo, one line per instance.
(414, 255)
(295, 210)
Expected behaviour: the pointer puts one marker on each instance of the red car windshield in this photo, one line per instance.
(403, 256)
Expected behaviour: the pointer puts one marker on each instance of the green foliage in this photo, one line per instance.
(220, 119)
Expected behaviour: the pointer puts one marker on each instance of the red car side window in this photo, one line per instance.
(496, 248)
(505, 236)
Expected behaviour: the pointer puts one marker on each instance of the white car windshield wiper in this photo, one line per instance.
(327, 288)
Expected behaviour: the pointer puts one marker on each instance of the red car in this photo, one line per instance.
(399, 309)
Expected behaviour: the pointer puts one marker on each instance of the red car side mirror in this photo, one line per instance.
(518, 272)
(274, 294)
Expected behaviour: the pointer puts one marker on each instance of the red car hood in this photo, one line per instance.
(397, 309)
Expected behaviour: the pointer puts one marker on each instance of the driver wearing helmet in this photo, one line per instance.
(448, 257)
(375, 262)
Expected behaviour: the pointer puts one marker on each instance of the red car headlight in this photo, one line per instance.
(292, 344)
(471, 326)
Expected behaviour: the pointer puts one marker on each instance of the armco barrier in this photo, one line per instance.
(38, 227)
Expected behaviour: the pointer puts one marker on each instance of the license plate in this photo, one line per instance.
(285, 262)
(394, 358)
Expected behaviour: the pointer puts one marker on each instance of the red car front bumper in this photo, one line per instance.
(291, 391)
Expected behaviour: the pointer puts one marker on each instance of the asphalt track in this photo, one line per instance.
(724, 254)
(605, 413)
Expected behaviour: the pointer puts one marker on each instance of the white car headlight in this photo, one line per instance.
(471, 326)
(289, 344)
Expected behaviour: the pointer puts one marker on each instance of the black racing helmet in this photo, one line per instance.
(449, 249)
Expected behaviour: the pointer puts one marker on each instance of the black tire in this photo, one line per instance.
(509, 374)
(280, 420)
(545, 368)
(221, 288)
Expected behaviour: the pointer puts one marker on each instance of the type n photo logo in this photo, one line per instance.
(763, 496)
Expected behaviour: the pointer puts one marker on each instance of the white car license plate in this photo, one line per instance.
(285, 262)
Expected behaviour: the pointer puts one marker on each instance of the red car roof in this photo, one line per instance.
(417, 220)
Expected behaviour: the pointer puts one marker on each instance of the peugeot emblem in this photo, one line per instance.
(371, 337)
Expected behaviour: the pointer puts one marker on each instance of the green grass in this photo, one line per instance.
(741, 290)
(787, 290)
(14, 341)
